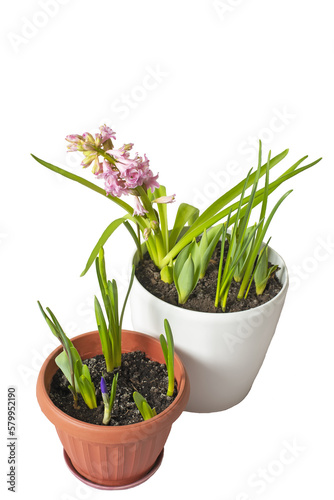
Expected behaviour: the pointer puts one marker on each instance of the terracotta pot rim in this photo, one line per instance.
(42, 394)
(235, 313)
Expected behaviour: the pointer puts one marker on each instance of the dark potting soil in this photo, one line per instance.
(202, 299)
(137, 373)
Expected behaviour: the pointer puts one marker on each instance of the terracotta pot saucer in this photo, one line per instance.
(124, 486)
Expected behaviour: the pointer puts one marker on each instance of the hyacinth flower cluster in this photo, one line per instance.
(121, 174)
(175, 250)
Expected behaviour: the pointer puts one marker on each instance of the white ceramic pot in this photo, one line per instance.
(222, 352)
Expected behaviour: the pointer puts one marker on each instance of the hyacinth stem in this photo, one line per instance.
(139, 240)
(105, 155)
(158, 239)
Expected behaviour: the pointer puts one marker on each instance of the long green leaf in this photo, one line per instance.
(164, 348)
(86, 183)
(105, 235)
(107, 347)
(235, 191)
(194, 232)
(170, 357)
(259, 240)
(127, 295)
(184, 214)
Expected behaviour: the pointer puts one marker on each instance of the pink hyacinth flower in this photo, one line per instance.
(138, 208)
(133, 177)
(165, 199)
(113, 186)
(150, 181)
(74, 138)
(107, 133)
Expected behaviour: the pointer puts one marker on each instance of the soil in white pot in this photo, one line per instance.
(203, 297)
(137, 373)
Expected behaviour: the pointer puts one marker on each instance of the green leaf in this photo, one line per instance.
(127, 295)
(63, 363)
(134, 237)
(164, 348)
(86, 372)
(146, 411)
(106, 344)
(88, 392)
(57, 330)
(166, 273)
(186, 213)
(86, 387)
(262, 273)
(105, 235)
(113, 391)
(169, 355)
(259, 240)
(184, 282)
(86, 183)
(181, 260)
(241, 266)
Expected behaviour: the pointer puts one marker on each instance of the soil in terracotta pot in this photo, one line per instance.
(203, 297)
(137, 373)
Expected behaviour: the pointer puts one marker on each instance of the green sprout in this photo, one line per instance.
(108, 401)
(192, 262)
(70, 363)
(146, 411)
(110, 331)
(168, 351)
(262, 272)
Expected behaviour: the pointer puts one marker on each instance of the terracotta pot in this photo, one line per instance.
(106, 455)
(222, 352)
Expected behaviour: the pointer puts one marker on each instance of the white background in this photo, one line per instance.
(193, 84)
